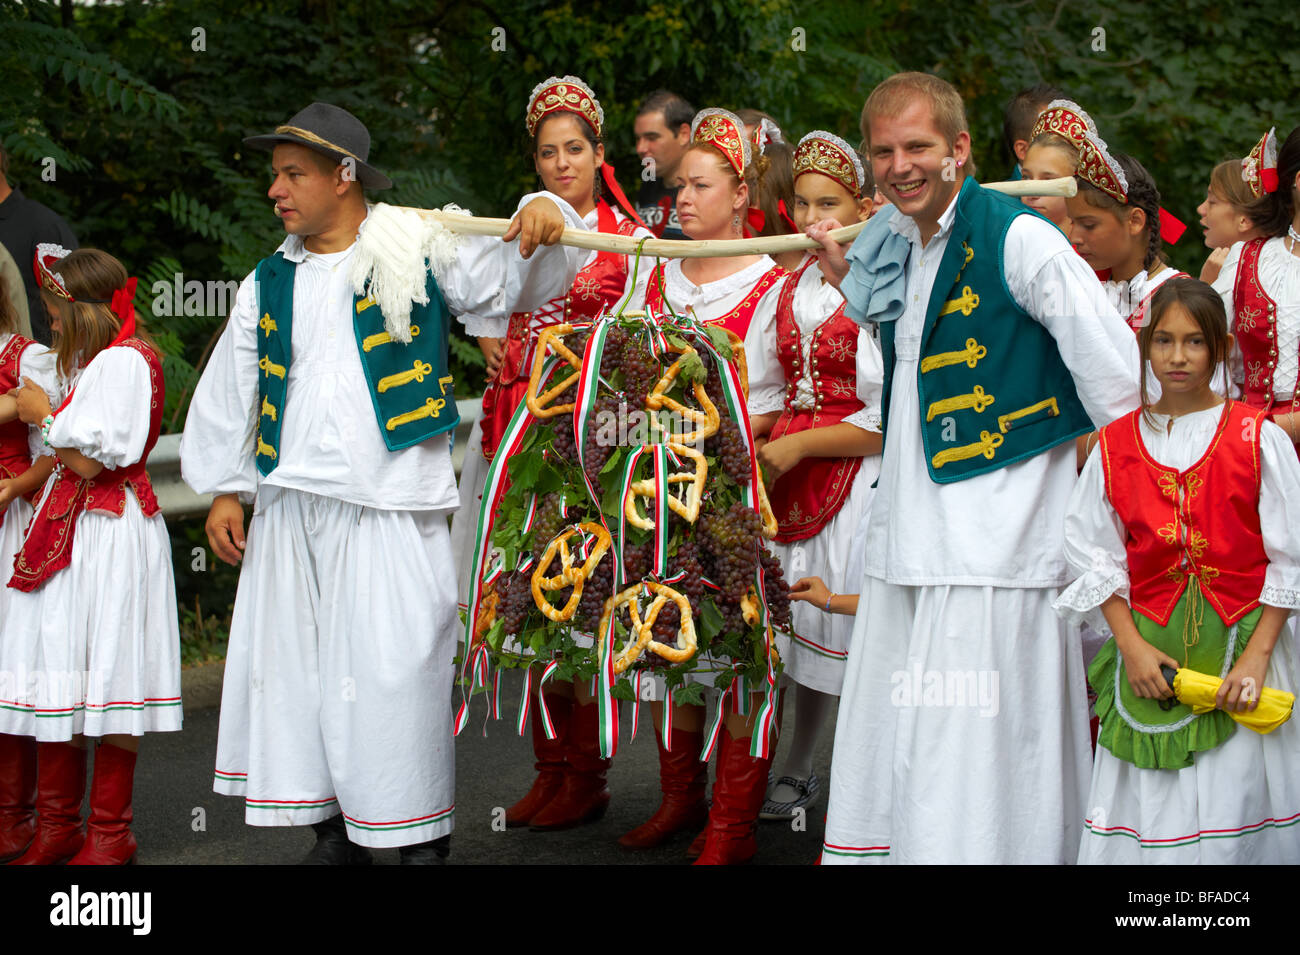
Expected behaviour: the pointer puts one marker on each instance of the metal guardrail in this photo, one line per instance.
(177, 500)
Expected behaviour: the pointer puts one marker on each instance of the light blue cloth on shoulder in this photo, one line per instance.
(875, 288)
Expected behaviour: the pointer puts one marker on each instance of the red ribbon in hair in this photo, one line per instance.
(1268, 179)
(611, 184)
(123, 306)
(1171, 229)
(756, 220)
(785, 216)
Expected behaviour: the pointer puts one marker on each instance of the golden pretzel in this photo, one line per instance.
(549, 340)
(770, 525)
(705, 417)
(569, 574)
(686, 506)
(641, 635)
(487, 612)
(738, 359)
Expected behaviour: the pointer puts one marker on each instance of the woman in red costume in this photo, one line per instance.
(1260, 285)
(565, 122)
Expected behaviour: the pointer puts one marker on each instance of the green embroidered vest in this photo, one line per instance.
(410, 386)
(993, 388)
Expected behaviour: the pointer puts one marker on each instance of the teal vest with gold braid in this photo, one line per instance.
(410, 386)
(993, 388)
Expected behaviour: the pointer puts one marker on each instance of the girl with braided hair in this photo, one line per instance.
(1115, 226)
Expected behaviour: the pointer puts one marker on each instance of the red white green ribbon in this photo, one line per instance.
(547, 726)
(521, 721)
(666, 724)
(711, 737)
(661, 510)
(636, 701)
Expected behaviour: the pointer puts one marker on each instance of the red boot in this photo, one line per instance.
(697, 844)
(550, 761)
(738, 794)
(60, 788)
(17, 795)
(109, 840)
(583, 796)
(682, 779)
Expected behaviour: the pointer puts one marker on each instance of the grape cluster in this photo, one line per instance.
(562, 442)
(516, 600)
(728, 446)
(597, 437)
(596, 589)
(775, 589)
(687, 559)
(547, 523)
(731, 548)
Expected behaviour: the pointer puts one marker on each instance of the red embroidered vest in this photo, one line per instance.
(15, 454)
(1255, 325)
(1202, 522)
(805, 498)
(48, 546)
(1138, 317)
(737, 320)
(598, 285)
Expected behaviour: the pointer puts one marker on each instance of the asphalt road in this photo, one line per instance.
(179, 820)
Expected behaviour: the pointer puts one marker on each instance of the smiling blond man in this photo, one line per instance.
(999, 348)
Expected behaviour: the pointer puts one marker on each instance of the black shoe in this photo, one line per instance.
(332, 846)
(426, 853)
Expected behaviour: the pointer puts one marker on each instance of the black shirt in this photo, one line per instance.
(657, 207)
(23, 224)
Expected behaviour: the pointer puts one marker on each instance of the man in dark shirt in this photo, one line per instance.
(24, 223)
(663, 131)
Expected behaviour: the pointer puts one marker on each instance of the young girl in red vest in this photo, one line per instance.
(1260, 287)
(815, 393)
(720, 173)
(1237, 205)
(566, 122)
(92, 604)
(1182, 533)
(25, 463)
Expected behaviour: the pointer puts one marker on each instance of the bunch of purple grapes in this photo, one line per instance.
(727, 445)
(776, 589)
(516, 600)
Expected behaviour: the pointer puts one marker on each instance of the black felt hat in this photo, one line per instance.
(332, 131)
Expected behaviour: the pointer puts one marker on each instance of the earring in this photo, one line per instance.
(735, 223)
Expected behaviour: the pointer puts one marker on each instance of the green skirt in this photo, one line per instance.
(1136, 729)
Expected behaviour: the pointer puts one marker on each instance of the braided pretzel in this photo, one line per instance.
(705, 417)
(487, 613)
(548, 341)
(569, 573)
(686, 506)
(770, 525)
(738, 359)
(643, 630)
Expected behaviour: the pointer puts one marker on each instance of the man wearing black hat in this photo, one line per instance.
(328, 403)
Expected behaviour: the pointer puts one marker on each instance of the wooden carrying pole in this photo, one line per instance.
(707, 248)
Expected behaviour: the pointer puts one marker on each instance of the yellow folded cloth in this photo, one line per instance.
(1198, 691)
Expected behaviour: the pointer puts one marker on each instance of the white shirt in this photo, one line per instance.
(38, 363)
(107, 419)
(330, 443)
(712, 300)
(480, 327)
(1002, 528)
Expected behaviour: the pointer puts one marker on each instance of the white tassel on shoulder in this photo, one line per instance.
(395, 250)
